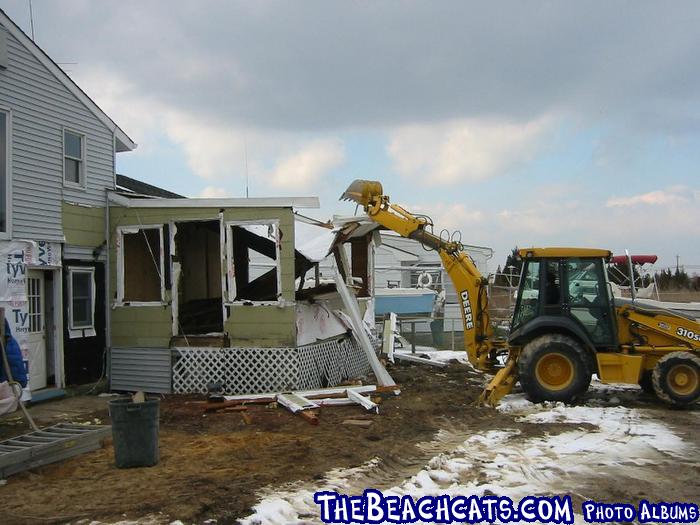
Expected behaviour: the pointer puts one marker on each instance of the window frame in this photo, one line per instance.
(82, 176)
(81, 331)
(121, 231)
(7, 234)
(230, 298)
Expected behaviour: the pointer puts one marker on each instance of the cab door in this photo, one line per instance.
(586, 298)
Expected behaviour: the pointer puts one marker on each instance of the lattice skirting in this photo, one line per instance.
(257, 370)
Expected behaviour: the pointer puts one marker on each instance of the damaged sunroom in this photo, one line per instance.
(236, 292)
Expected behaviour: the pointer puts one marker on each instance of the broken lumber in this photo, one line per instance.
(358, 423)
(363, 401)
(353, 308)
(308, 394)
(297, 404)
(388, 337)
(421, 360)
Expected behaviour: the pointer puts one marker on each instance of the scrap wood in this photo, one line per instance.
(297, 404)
(359, 332)
(309, 394)
(393, 389)
(310, 416)
(421, 360)
(358, 423)
(215, 407)
(240, 408)
(247, 418)
(388, 336)
(366, 402)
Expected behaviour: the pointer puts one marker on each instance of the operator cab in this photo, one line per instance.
(565, 288)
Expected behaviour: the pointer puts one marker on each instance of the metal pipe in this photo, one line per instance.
(633, 291)
(108, 310)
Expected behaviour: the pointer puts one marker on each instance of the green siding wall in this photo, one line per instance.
(83, 226)
(151, 326)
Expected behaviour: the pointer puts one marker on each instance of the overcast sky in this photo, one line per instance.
(523, 123)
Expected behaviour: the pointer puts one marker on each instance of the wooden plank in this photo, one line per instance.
(295, 402)
(389, 336)
(353, 309)
(363, 401)
(420, 360)
(309, 394)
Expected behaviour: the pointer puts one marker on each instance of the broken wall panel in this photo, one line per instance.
(264, 326)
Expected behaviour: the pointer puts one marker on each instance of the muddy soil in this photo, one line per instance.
(214, 466)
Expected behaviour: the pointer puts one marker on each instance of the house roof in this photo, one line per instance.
(252, 202)
(144, 189)
(122, 140)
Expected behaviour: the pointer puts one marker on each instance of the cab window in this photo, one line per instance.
(529, 297)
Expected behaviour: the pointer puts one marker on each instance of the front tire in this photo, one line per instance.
(554, 367)
(676, 378)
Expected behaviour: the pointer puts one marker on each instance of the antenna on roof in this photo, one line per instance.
(245, 149)
(31, 18)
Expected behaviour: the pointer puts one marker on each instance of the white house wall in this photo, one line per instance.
(396, 251)
(41, 107)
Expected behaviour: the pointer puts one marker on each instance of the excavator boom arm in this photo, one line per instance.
(468, 281)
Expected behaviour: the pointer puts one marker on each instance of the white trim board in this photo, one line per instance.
(252, 202)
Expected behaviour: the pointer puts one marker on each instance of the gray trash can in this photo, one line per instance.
(135, 432)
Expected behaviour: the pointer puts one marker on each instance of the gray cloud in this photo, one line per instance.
(319, 65)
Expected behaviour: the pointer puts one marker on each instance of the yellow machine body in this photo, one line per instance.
(644, 334)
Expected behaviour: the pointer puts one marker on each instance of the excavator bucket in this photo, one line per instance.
(362, 191)
(501, 385)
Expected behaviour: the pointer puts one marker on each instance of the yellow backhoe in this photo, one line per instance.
(566, 324)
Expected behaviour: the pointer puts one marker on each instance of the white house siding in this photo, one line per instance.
(397, 251)
(41, 107)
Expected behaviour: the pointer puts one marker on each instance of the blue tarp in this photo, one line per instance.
(14, 358)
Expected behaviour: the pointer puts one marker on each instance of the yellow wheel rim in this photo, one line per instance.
(554, 371)
(683, 379)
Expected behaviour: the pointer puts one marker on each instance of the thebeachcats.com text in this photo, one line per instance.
(375, 507)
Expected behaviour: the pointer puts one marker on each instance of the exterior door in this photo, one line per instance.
(36, 337)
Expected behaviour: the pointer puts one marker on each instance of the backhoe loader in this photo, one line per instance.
(566, 325)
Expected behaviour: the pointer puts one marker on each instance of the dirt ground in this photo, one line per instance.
(214, 466)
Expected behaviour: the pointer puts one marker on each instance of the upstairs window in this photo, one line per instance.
(73, 158)
(4, 167)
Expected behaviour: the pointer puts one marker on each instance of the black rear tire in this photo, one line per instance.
(554, 367)
(676, 378)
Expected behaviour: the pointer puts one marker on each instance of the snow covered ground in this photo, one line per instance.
(606, 443)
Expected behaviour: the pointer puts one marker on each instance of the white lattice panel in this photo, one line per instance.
(255, 370)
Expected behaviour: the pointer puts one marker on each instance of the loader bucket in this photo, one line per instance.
(362, 191)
